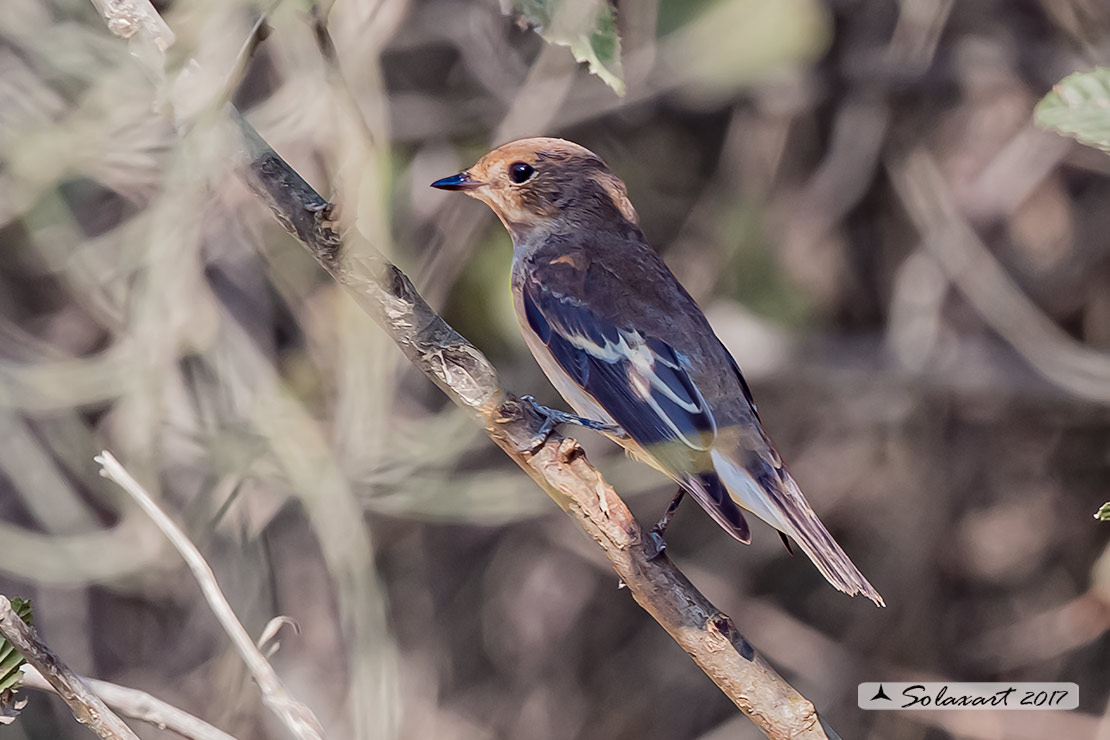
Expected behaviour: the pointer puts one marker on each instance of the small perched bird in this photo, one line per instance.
(630, 350)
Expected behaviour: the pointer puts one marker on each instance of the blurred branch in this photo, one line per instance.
(86, 706)
(141, 706)
(120, 551)
(971, 267)
(297, 717)
(559, 466)
(336, 80)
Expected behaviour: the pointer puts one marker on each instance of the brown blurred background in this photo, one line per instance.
(915, 279)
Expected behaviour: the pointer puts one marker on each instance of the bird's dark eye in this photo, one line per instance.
(520, 171)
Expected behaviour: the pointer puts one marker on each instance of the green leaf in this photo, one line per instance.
(1079, 107)
(1103, 513)
(11, 704)
(587, 27)
(10, 660)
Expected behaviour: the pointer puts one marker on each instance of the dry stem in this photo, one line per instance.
(139, 705)
(297, 717)
(87, 707)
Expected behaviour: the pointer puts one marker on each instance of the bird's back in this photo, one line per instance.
(625, 282)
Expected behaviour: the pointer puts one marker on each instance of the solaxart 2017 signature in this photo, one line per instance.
(1009, 697)
(955, 695)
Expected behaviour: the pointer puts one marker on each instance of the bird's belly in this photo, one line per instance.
(582, 402)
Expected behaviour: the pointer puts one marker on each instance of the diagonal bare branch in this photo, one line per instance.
(87, 707)
(139, 705)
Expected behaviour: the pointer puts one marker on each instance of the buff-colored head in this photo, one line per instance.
(546, 184)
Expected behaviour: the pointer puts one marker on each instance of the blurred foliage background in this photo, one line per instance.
(915, 279)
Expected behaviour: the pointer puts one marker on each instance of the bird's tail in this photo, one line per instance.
(771, 494)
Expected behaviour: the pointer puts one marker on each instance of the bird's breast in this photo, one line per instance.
(580, 401)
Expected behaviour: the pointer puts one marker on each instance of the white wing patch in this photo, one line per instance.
(645, 381)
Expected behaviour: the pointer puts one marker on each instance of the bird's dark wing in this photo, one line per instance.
(643, 384)
(639, 380)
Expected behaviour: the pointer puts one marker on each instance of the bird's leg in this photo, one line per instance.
(553, 418)
(661, 525)
(656, 534)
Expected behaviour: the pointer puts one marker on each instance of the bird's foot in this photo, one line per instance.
(537, 440)
(656, 545)
(553, 418)
(656, 542)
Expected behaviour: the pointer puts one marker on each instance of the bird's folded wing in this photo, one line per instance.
(639, 380)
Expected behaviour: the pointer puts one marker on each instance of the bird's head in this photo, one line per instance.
(546, 185)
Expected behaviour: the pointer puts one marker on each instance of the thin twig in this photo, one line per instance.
(260, 30)
(319, 15)
(139, 705)
(87, 707)
(297, 717)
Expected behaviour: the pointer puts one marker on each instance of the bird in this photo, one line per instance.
(630, 350)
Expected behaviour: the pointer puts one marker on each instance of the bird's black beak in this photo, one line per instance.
(461, 181)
